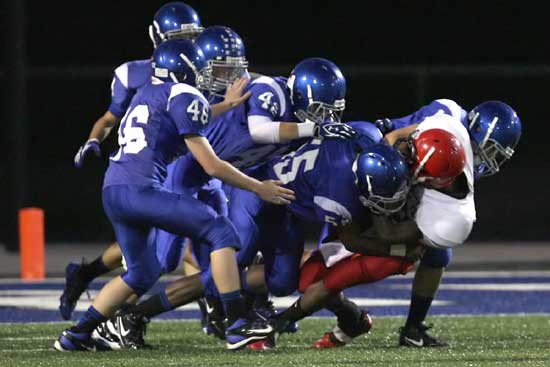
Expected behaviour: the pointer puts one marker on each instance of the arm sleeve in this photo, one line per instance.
(263, 129)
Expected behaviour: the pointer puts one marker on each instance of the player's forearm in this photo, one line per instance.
(220, 108)
(402, 133)
(103, 126)
(229, 174)
(289, 131)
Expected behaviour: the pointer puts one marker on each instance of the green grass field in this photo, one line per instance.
(475, 341)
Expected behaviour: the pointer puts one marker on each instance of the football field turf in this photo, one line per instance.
(475, 341)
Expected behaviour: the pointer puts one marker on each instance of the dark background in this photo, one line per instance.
(58, 61)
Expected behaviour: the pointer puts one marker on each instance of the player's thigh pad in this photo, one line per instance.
(182, 215)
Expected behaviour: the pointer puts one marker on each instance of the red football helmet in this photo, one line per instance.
(438, 159)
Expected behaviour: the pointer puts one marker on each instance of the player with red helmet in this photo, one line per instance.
(445, 212)
(437, 157)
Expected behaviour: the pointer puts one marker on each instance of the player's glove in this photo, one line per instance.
(384, 125)
(334, 130)
(90, 145)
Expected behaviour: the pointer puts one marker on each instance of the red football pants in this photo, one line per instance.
(354, 270)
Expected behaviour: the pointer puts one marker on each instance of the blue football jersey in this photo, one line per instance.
(320, 173)
(127, 79)
(439, 106)
(151, 132)
(229, 135)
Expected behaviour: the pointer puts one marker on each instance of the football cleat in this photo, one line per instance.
(71, 342)
(204, 314)
(265, 309)
(338, 338)
(265, 344)
(106, 335)
(74, 287)
(246, 331)
(215, 318)
(131, 329)
(328, 340)
(418, 337)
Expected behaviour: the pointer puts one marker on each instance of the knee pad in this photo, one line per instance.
(437, 258)
(281, 286)
(141, 281)
(221, 233)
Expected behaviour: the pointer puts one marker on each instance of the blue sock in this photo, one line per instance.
(91, 319)
(233, 305)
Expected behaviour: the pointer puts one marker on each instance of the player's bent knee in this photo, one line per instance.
(221, 233)
(141, 282)
(282, 286)
(437, 258)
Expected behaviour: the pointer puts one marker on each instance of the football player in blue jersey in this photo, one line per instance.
(166, 119)
(489, 134)
(237, 137)
(437, 157)
(494, 130)
(173, 20)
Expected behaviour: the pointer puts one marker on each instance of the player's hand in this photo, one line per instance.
(384, 125)
(334, 130)
(234, 94)
(272, 191)
(90, 145)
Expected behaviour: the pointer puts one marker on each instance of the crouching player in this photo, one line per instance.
(165, 119)
(436, 158)
(494, 130)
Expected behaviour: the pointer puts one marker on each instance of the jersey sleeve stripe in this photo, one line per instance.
(122, 74)
(181, 88)
(277, 88)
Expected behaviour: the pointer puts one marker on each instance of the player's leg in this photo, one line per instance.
(142, 272)
(425, 285)
(79, 276)
(322, 287)
(217, 232)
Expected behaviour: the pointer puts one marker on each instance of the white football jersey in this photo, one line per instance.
(445, 221)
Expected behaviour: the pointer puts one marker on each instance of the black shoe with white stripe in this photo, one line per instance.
(106, 335)
(417, 336)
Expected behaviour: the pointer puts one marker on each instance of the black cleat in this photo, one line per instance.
(265, 309)
(204, 314)
(131, 329)
(75, 285)
(417, 336)
(245, 331)
(107, 335)
(215, 318)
